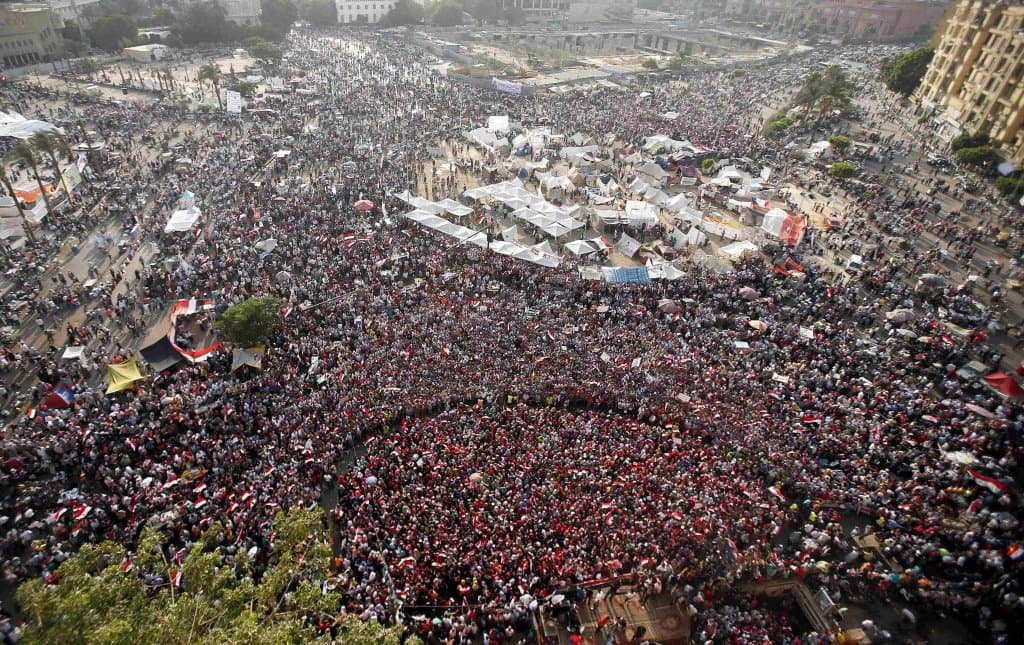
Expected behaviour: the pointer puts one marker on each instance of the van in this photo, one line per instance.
(240, 53)
(855, 263)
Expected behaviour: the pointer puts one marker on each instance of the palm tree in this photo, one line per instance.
(22, 150)
(210, 72)
(51, 145)
(17, 204)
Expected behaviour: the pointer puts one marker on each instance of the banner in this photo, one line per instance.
(233, 102)
(72, 177)
(507, 87)
(276, 84)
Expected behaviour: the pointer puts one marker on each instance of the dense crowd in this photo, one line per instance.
(526, 432)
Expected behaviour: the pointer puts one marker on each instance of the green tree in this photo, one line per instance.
(72, 31)
(112, 32)
(707, 165)
(249, 323)
(204, 22)
(903, 73)
(1010, 187)
(649, 63)
(979, 156)
(318, 12)
(967, 140)
(405, 12)
(778, 125)
(278, 17)
(23, 150)
(51, 144)
(220, 599)
(447, 14)
(29, 235)
(211, 74)
(843, 170)
(482, 10)
(259, 48)
(840, 143)
(245, 88)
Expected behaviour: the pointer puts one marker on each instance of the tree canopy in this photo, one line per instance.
(903, 73)
(318, 12)
(112, 32)
(979, 156)
(824, 91)
(278, 17)
(249, 323)
(105, 594)
(405, 12)
(968, 140)
(205, 22)
(843, 170)
(840, 143)
(447, 14)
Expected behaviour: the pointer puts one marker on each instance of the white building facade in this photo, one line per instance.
(362, 11)
(243, 12)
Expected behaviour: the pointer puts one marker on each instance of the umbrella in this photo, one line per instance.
(900, 315)
(266, 245)
(748, 294)
(371, 481)
(759, 325)
(283, 276)
(668, 306)
(933, 280)
(476, 478)
(363, 205)
(906, 333)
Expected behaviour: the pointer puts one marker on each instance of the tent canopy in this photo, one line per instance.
(122, 376)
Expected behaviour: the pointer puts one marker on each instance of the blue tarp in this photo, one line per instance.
(621, 275)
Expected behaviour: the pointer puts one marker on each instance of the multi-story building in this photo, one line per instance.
(29, 34)
(363, 11)
(243, 12)
(855, 19)
(71, 9)
(573, 10)
(974, 81)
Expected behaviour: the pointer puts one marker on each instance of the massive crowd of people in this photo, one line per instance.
(523, 431)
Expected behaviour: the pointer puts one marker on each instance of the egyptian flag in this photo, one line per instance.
(61, 397)
(81, 512)
(60, 512)
(127, 565)
(992, 484)
(176, 578)
(1015, 552)
(811, 419)
(774, 490)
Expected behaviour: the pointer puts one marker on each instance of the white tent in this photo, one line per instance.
(183, 220)
(735, 251)
(677, 203)
(454, 207)
(652, 169)
(16, 126)
(640, 213)
(773, 222)
(583, 248)
(498, 124)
